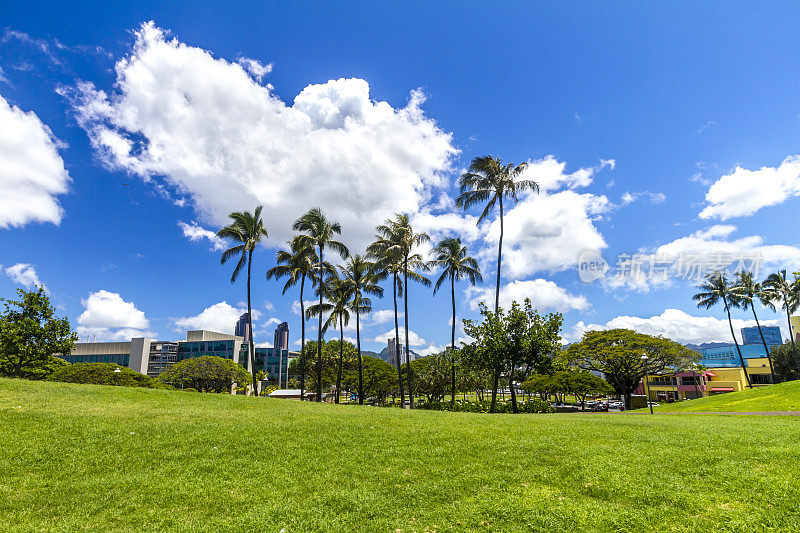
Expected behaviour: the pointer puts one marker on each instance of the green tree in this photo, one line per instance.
(31, 335)
(784, 359)
(787, 292)
(397, 240)
(456, 265)
(337, 308)
(319, 232)
(717, 289)
(360, 277)
(378, 379)
(489, 182)
(746, 292)
(330, 363)
(297, 265)
(488, 351)
(432, 376)
(103, 374)
(581, 384)
(205, 374)
(617, 353)
(248, 230)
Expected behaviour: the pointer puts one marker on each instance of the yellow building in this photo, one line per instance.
(795, 322)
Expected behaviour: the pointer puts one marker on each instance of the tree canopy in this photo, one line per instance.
(205, 374)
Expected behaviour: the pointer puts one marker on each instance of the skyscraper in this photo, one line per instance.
(772, 335)
(391, 356)
(243, 327)
(281, 336)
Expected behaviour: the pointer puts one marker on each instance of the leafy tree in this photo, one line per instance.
(297, 265)
(717, 289)
(489, 181)
(396, 240)
(787, 292)
(360, 277)
(330, 363)
(104, 374)
(206, 374)
(319, 232)
(486, 354)
(617, 353)
(432, 376)
(248, 230)
(456, 265)
(31, 335)
(745, 293)
(785, 361)
(378, 379)
(581, 384)
(337, 307)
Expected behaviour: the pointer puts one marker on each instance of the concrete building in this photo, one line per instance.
(772, 335)
(281, 336)
(391, 354)
(795, 323)
(243, 328)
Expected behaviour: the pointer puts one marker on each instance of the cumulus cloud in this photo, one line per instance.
(256, 69)
(743, 191)
(413, 338)
(32, 172)
(545, 296)
(654, 197)
(220, 317)
(431, 350)
(107, 316)
(197, 233)
(676, 325)
(24, 274)
(214, 134)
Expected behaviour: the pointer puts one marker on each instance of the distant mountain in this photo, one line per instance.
(385, 354)
(370, 353)
(705, 345)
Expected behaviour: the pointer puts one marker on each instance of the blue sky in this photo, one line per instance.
(127, 132)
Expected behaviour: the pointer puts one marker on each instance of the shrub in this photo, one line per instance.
(103, 374)
(534, 405)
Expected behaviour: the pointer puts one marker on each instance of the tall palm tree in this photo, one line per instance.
(297, 264)
(318, 232)
(337, 307)
(489, 181)
(716, 288)
(248, 230)
(456, 265)
(788, 293)
(746, 292)
(361, 277)
(397, 239)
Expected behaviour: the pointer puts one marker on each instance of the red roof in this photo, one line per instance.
(721, 389)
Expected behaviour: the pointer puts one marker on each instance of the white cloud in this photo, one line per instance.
(431, 350)
(545, 296)
(272, 322)
(107, 316)
(257, 69)
(383, 316)
(196, 233)
(674, 324)
(32, 172)
(413, 338)
(216, 135)
(654, 197)
(743, 191)
(220, 317)
(24, 274)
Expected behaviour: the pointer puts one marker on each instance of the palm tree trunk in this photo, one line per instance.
(302, 340)
(738, 350)
(453, 343)
(319, 332)
(408, 350)
(499, 259)
(341, 352)
(397, 342)
(764, 342)
(360, 365)
(791, 336)
(251, 345)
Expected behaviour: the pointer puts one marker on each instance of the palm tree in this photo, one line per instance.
(360, 277)
(452, 256)
(297, 264)
(715, 289)
(489, 181)
(745, 292)
(396, 239)
(338, 295)
(319, 233)
(788, 293)
(248, 230)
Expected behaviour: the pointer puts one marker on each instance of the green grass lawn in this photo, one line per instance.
(82, 457)
(780, 397)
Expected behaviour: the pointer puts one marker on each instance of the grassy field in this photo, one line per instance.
(780, 397)
(93, 458)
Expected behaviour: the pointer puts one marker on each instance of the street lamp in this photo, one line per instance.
(117, 370)
(644, 359)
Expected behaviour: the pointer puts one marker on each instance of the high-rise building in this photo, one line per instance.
(243, 327)
(772, 335)
(281, 336)
(391, 354)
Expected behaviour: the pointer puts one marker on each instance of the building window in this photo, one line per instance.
(760, 379)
